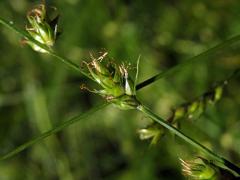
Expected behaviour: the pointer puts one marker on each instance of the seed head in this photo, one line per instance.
(153, 132)
(41, 28)
(114, 79)
(199, 169)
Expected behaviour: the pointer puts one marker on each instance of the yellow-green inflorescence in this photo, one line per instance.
(199, 169)
(153, 131)
(117, 87)
(41, 28)
(188, 110)
(195, 108)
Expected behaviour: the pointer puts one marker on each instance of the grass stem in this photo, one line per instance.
(225, 44)
(223, 162)
(52, 131)
(25, 35)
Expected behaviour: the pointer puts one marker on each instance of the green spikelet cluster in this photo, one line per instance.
(41, 28)
(199, 169)
(189, 110)
(153, 132)
(117, 86)
(195, 108)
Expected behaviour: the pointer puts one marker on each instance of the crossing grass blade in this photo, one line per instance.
(225, 44)
(53, 131)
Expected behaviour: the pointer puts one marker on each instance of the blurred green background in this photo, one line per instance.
(37, 92)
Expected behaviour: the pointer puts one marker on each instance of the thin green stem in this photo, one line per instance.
(25, 35)
(52, 131)
(207, 53)
(141, 85)
(70, 64)
(225, 163)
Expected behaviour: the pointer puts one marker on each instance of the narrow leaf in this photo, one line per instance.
(52, 131)
(225, 44)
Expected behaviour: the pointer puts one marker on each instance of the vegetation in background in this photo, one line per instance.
(36, 94)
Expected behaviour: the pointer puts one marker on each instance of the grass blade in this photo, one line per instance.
(211, 51)
(52, 131)
(222, 161)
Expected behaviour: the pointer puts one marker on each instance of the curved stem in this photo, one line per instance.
(225, 163)
(25, 35)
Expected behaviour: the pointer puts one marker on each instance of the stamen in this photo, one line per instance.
(84, 87)
(102, 56)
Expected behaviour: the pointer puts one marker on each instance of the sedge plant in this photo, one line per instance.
(117, 87)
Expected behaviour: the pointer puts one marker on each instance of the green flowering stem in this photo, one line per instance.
(53, 131)
(143, 109)
(25, 35)
(145, 83)
(223, 162)
(207, 53)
